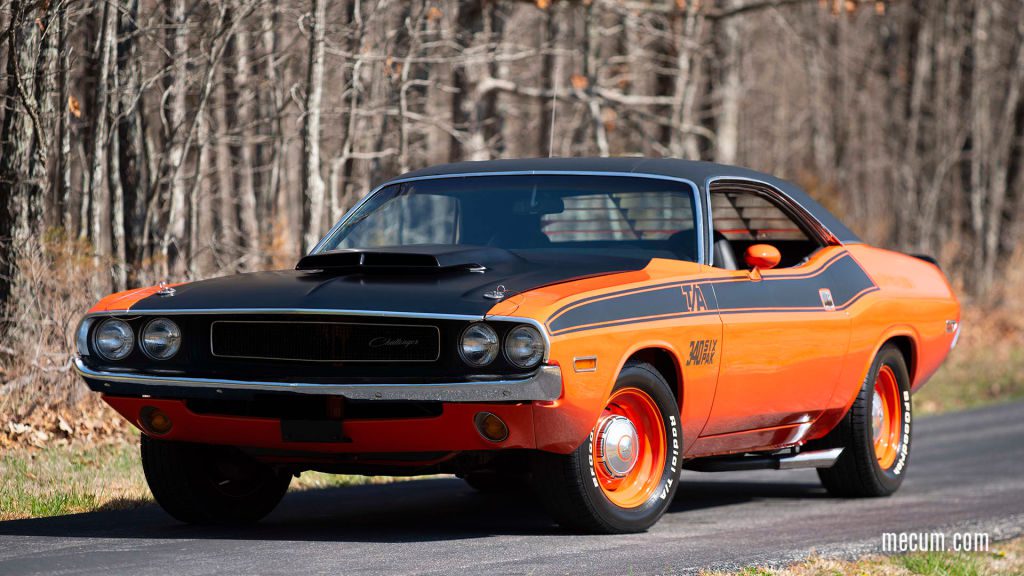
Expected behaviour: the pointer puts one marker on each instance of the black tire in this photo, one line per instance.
(858, 473)
(568, 485)
(201, 484)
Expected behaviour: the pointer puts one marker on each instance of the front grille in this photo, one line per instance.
(325, 341)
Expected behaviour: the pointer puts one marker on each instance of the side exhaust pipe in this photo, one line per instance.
(810, 459)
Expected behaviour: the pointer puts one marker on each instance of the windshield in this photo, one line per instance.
(614, 215)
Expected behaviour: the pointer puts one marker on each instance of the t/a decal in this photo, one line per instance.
(702, 352)
(693, 298)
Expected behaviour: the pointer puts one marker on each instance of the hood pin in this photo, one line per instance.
(496, 294)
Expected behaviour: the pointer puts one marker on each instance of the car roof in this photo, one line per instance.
(697, 172)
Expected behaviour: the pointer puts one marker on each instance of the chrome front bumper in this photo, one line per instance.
(546, 384)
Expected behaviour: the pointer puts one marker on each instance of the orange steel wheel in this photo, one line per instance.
(886, 417)
(629, 448)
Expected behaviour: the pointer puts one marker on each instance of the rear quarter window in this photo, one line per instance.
(751, 217)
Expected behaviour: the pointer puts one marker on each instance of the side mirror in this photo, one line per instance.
(762, 256)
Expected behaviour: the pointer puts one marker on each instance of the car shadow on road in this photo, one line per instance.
(412, 511)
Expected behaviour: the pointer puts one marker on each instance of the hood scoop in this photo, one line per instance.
(406, 259)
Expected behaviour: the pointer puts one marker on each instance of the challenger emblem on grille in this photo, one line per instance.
(384, 342)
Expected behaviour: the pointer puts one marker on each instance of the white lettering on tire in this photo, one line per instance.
(905, 444)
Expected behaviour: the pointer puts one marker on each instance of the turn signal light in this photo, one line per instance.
(585, 364)
(490, 426)
(154, 420)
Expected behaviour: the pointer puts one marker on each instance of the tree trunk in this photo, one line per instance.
(728, 38)
(312, 181)
(62, 188)
(241, 150)
(14, 140)
(101, 214)
(227, 239)
(173, 247)
(131, 145)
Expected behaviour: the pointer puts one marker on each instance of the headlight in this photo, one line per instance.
(113, 339)
(161, 339)
(524, 346)
(479, 346)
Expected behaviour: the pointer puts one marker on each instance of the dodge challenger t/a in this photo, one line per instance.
(582, 328)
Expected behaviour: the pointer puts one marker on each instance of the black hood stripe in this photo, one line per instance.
(442, 292)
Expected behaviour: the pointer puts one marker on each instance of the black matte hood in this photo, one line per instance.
(400, 283)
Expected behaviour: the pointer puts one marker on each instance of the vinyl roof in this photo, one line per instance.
(697, 172)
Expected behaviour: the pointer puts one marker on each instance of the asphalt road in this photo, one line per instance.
(966, 473)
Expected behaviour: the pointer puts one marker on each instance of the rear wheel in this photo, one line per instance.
(623, 477)
(201, 484)
(874, 434)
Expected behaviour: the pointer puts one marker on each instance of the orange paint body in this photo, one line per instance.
(753, 376)
(778, 377)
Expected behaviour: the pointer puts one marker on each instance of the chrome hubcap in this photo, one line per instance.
(617, 445)
(877, 416)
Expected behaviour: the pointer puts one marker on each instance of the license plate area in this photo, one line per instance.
(312, 431)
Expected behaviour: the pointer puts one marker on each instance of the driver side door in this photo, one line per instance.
(784, 336)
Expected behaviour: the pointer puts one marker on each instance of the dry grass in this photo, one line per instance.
(986, 367)
(70, 479)
(1005, 558)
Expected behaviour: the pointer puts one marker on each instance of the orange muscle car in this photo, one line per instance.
(583, 328)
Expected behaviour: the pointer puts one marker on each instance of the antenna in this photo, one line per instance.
(554, 106)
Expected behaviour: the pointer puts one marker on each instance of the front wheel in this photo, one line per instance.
(874, 434)
(623, 477)
(201, 484)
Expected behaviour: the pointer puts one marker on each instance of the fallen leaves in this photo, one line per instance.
(28, 434)
(88, 422)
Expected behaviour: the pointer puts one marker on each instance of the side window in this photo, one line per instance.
(743, 215)
(405, 220)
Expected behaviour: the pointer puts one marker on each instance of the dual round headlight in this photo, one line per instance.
(114, 339)
(161, 339)
(480, 345)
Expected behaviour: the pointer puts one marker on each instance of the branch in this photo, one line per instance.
(753, 6)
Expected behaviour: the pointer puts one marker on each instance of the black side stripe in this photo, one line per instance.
(842, 275)
(715, 280)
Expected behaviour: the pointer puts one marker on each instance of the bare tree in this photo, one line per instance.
(173, 248)
(187, 138)
(312, 180)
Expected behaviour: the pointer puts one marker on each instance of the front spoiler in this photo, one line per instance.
(545, 385)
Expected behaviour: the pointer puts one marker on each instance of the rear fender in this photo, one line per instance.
(828, 420)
